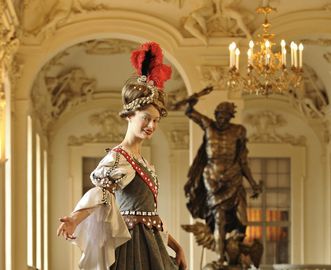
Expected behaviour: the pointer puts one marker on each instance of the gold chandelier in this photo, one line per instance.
(267, 71)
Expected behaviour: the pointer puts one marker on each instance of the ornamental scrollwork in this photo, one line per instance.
(217, 18)
(109, 127)
(108, 46)
(213, 75)
(179, 139)
(266, 125)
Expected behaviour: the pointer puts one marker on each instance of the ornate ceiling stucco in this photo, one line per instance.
(312, 99)
(265, 126)
(84, 72)
(109, 128)
(195, 18)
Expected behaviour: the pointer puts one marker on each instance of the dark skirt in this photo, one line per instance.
(144, 251)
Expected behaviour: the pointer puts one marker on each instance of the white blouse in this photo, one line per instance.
(104, 229)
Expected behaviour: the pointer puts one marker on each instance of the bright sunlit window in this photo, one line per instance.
(269, 215)
(38, 203)
(30, 219)
(45, 188)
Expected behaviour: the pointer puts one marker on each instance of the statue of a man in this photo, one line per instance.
(215, 187)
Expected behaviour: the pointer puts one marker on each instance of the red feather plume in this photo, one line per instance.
(157, 71)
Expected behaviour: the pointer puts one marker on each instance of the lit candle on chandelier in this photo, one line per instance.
(249, 56)
(284, 58)
(283, 44)
(267, 59)
(292, 53)
(251, 45)
(300, 55)
(295, 49)
(267, 45)
(237, 52)
(232, 48)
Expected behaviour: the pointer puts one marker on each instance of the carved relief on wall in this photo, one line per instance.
(327, 57)
(178, 139)
(45, 17)
(265, 125)
(178, 3)
(218, 18)
(325, 42)
(9, 43)
(176, 95)
(15, 73)
(56, 61)
(42, 102)
(51, 96)
(213, 75)
(108, 46)
(68, 89)
(311, 100)
(109, 126)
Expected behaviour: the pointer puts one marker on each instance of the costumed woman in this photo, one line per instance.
(116, 224)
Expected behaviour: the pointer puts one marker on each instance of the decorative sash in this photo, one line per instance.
(144, 174)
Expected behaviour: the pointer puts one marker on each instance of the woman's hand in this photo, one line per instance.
(68, 224)
(67, 227)
(180, 256)
(180, 259)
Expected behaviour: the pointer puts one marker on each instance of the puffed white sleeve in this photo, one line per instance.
(101, 232)
(104, 229)
(113, 168)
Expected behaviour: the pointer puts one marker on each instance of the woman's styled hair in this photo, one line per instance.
(146, 87)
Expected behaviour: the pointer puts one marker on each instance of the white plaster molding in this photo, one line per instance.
(324, 42)
(178, 138)
(56, 61)
(327, 56)
(69, 89)
(41, 19)
(108, 46)
(300, 23)
(311, 99)
(178, 3)
(117, 21)
(175, 96)
(213, 75)
(110, 129)
(52, 96)
(266, 124)
(126, 25)
(217, 18)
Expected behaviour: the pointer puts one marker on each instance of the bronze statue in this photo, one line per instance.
(215, 189)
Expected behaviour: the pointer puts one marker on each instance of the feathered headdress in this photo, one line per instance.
(148, 61)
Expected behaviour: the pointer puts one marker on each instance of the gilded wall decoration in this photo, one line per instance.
(217, 18)
(266, 125)
(312, 99)
(213, 75)
(109, 128)
(108, 46)
(178, 139)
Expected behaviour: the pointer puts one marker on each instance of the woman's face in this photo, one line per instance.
(143, 123)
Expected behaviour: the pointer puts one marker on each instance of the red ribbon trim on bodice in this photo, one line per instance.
(145, 177)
